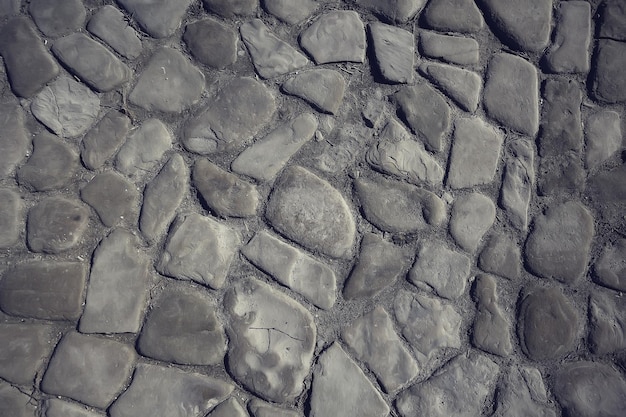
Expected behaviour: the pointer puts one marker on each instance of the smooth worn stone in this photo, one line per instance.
(501, 256)
(379, 265)
(224, 193)
(89, 369)
(168, 83)
(211, 43)
(56, 224)
(400, 10)
(331, 395)
(308, 210)
(548, 324)
(231, 8)
(471, 217)
(24, 350)
(44, 290)
(425, 112)
(610, 269)
(58, 18)
(270, 55)
(104, 139)
(440, 269)
(29, 64)
(182, 327)
(15, 139)
(569, 52)
(603, 137)
(160, 18)
(290, 11)
(260, 408)
(518, 182)
(9, 7)
(162, 196)
(66, 107)
(144, 147)
(607, 323)
(14, 403)
(609, 79)
(110, 25)
(293, 268)
(460, 388)
(323, 88)
(475, 153)
(561, 175)
(559, 243)
(398, 207)
(374, 341)
(51, 166)
(160, 390)
(396, 153)
(561, 125)
(10, 217)
(613, 20)
(522, 393)
(272, 338)
(462, 86)
(335, 36)
(91, 62)
(394, 49)
(118, 269)
(511, 93)
(453, 16)
(55, 407)
(453, 49)
(491, 329)
(427, 324)
(231, 118)
(229, 408)
(590, 389)
(112, 196)
(200, 249)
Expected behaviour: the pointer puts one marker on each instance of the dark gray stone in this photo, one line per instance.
(394, 49)
(501, 256)
(290, 11)
(323, 88)
(104, 139)
(471, 217)
(569, 52)
(561, 124)
(231, 8)
(610, 269)
(24, 350)
(110, 25)
(453, 15)
(56, 224)
(9, 7)
(613, 20)
(521, 392)
(14, 137)
(14, 403)
(453, 49)
(603, 137)
(609, 81)
(58, 18)
(491, 329)
(461, 85)
(399, 10)
(607, 319)
(10, 217)
(144, 147)
(160, 18)
(518, 183)
(335, 36)
(211, 43)
(112, 196)
(561, 175)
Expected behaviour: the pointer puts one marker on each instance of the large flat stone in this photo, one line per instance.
(229, 8)
(603, 137)
(569, 52)
(610, 268)
(607, 319)
(561, 125)
(394, 49)
(59, 18)
(453, 49)
(522, 392)
(14, 137)
(323, 88)
(160, 18)
(613, 20)
(25, 348)
(229, 408)
(260, 408)
(15, 403)
(112, 196)
(9, 7)
(518, 183)
(144, 147)
(462, 86)
(290, 11)
(55, 407)
(56, 224)
(10, 217)
(491, 331)
(399, 11)
(335, 36)
(471, 217)
(453, 16)
(609, 81)
(110, 25)
(104, 139)
(562, 175)
(501, 256)
(211, 43)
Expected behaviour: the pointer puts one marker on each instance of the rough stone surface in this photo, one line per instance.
(59, 18)
(55, 407)
(453, 49)
(394, 49)
(10, 217)
(56, 224)
(471, 217)
(15, 403)
(104, 139)
(112, 196)
(462, 86)
(453, 15)
(24, 350)
(323, 88)
(501, 256)
(522, 393)
(230, 8)
(609, 81)
(399, 11)
(143, 148)
(607, 323)
(335, 36)
(518, 182)
(569, 52)
(613, 20)
(109, 24)
(491, 330)
(211, 43)
(603, 136)
(561, 126)
(14, 137)
(160, 18)
(561, 175)
(610, 269)
(291, 11)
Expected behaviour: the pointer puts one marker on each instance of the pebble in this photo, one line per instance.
(234, 116)
(511, 93)
(14, 403)
(174, 393)
(59, 18)
(398, 207)
(118, 269)
(10, 217)
(569, 52)
(16, 141)
(168, 83)
(160, 18)
(610, 269)
(518, 182)
(471, 217)
(55, 407)
(475, 153)
(260, 408)
(501, 256)
(308, 210)
(607, 323)
(144, 147)
(110, 25)
(561, 125)
(460, 388)
(272, 338)
(229, 408)
(224, 193)
(323, 88)
(453, 49)
(103, 140)
(291, 11)
(522, 393)
(340, 388)
(453, 16)
(88, 369)
(608, 79)
(561, 175)
(400, 11)
(394, 49)
(613, 20)
(66, 107)
(461, 85)
(200, 249)
(25, 349)
(112, 196)
(559, 244)
(211, 43)
(293, 268)
(335, 36)
(491, 330)
(374, 341)
(56, 224)
(51, 166)
(229, 9)
(603, 137)
(425, 112)
(46, 290)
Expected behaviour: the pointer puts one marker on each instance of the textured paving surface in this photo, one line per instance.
(312, 208)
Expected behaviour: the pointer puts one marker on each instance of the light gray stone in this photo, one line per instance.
(400, 10)
(491, 329)
(25, 348)
(14, 137)
(610, 269)
(607, 323)
(471, 217)
(56, 224)
(518, 183)
(160, 18)
(212, 43)
(608, 79)
(501, 256)
(335, 36)
(569, 52)
(229, 408)
(112, 196)
(291, 11)
(453, 16)
(229, 8)
(10, 217)
(603, 136)
(260, 408)
(461, 85)
(14, 403)
(55, 407)
(9, 7)
(522, 393)
(104, 139)
(144, 147)
(110, 25)
(453, 49)
(58, 19)
(394, 49)
(323, 88)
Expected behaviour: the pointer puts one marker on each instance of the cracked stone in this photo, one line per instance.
(501, 256)
(24, 350)
(453, 16)
(453, 49)
(603, 136)
(15, 139)
(103, 140)
(609, 81)
(462, 86)
(607, 323)
(336, 36)
(230, 8)
(160, 18)
(522, 393)
(394, 49)
(112, 197)
(610, 269)
(323, 88)
(143, 148)
(291, 11)
(110, 25)
(569, 52)
(56, 224)
(10, 217)
(518, 183)
(400, 10)
(59, 18)
(211, 43)
(14, 403)
(491, 329)
(471, 217)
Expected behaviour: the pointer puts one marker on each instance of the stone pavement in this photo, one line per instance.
(312, 208)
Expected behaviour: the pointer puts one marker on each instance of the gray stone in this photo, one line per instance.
(462, 86)
(225, 194)
(91, 62)
(159, 390)
(160, 18)
(453, 16)
(608, 190)
(290, 11)
(332, 396)
(51, 166)
(511, 92)
(14, 137)
(559, 243)
(89, 369)
(14, 403)
(229, 408)
(44, 290)
(308, 210)
(561, 175)
(293, 268)
(610, 269)
(335, 36)
(270, 56)
(110, 25)
(453, 49)
(376, 343)
(518, 182)
(613, 20)
(475, 153)
(233, 117)
(569, 52)
(104, 139)
(9, 7)
(112, 196)
(460, 389)
(24, 350)
(561, 125)
(609, 81)
(400, 10)
(607, 323)
(55, 407)
(339, 153)
(144, 147)
(323, 88)
(272, 339)
(491, 329)
(118, 286)
(200, 249)
(501, 256)
(522, 393)
(66, 107)
(182, 327)
(471, 217)
(260, 408)
(603, 136)
(56, 224)
(59, 18)
(10, 217)
(231, 8)
(168, 83)
(211, 43)
(394, 49)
